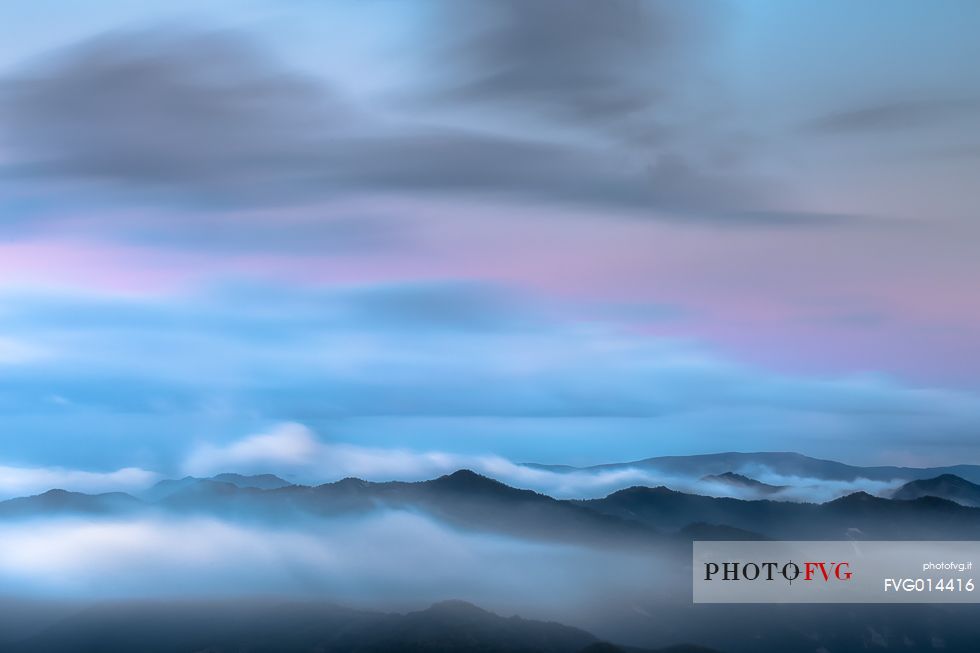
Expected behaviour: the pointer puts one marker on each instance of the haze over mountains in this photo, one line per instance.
(932, 503)
(298, 458)
(615, 565)
(778, 464)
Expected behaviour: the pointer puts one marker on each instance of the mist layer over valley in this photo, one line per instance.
(617, 566)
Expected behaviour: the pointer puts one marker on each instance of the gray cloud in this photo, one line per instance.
(587, 62)
(327, 231)
(904, 114)
(159, 110)
(211, 120)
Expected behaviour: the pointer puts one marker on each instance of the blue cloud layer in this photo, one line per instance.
(461, 367)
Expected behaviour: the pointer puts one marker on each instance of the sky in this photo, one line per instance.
(563, 232)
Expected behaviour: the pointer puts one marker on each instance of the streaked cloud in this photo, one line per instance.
(14, 351)
(219, 364)
(137, 116)
(210, 227)
(908, 114)
(578, 62)
(161, 110)
(392, 559)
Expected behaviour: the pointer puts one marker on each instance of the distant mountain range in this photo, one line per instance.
(638, 519)
(785, 464)
(856, 516)
(61, 501)
(938, 508)
(167, 487)
(188, 627)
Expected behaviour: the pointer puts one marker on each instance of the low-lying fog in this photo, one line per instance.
(295, 453)
(388, 560)
(401, 561)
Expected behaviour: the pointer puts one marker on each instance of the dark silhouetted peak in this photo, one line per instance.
(466, 476)
(945, 486)
(467, 480)
(350, 482)
(935, 502)
(349, 487)
(948, 478)
(56, 493)
(468, 483)
(258, 481)
(642, 491)
(855, 498)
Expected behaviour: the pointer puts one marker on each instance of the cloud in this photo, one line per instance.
(159, 110)
(138, 111)
(430, 362)
(15, 352)
(287, 445)
(602, 66)
(388, 559)
(211, 122)
(316, 231)
(21, 481)
(294, 451)
(814, 490)
(890, 116)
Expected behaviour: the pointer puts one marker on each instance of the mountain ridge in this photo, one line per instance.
(945, 486)
(783, 463)
(636, 516)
